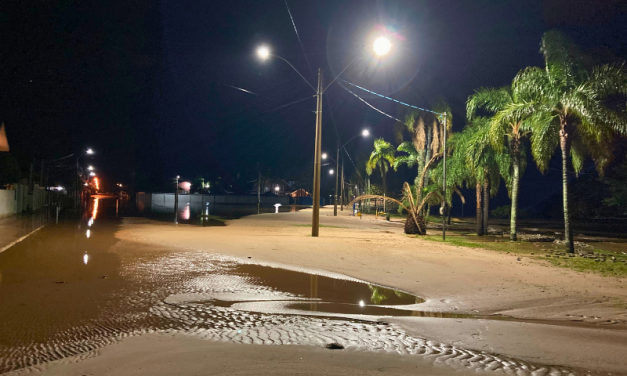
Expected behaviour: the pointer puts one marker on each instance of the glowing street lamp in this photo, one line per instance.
(263, 52)
(92, 174)
(331, 172)
(382, 46)
(324, 155)
(365, 133)
(90, 168)
(89, 151)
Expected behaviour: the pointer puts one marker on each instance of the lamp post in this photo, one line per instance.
(381, 47)
(176, 201)
(364, 133)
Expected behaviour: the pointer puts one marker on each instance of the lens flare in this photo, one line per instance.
(382, 46)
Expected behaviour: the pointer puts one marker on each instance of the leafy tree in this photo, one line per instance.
(505, 130)
(571, 98)
(382, 157)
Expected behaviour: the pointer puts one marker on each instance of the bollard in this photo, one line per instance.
(57, 214)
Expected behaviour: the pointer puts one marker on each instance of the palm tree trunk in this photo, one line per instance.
(449, 209)
(384, 187)
(479, 211)
(565, 146)
(486, 205)
(513, 231)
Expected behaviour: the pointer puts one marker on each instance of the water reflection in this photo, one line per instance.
(85, 258)
(94, 211)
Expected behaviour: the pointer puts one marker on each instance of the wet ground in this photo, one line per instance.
(72, 288)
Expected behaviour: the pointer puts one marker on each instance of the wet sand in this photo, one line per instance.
(149, 277)
(591, 308)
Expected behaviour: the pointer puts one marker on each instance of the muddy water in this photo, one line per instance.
(72, 288)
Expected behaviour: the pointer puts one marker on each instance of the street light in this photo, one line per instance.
(92, 174)
(263, 52)
(331, 172)
(90, 168)
(381, 46)
(89, 151)
(365, 133)
(324, 155)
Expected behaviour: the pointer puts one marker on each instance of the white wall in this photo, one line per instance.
(18, 200)
(7, 203)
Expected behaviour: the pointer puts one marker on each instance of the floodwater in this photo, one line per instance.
(72, 288)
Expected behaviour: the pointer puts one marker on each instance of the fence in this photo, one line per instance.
(19, 199)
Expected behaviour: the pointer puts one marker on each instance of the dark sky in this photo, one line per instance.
(146, 83)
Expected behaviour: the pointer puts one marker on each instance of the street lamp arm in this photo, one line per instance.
(303, 77)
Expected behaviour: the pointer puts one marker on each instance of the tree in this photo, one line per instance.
(570, 96)
(382, 157)
(504, 130)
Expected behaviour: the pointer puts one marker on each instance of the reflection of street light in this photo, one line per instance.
(382, 46)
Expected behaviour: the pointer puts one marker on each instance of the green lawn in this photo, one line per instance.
(539, 251)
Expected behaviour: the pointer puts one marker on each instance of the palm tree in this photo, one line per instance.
(382, 157)
(487, 166)
(570, 97)
(504, 131)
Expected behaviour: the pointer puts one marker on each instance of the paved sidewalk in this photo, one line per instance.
(16, 228)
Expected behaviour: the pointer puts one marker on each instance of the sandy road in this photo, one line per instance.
(590, 308)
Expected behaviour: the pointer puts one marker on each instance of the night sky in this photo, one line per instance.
(149, 85)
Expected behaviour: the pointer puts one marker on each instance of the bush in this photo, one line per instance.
(501, 212)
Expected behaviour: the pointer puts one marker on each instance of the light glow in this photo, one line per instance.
(88, 233)
(90, 168)
(361, 303)
(92, 174)
(382, 46)
(89, 151)
(97, 186)
(324, 155)
(331, 172)
(85, 258)
(365, 133)
(94, 211)
(263, 52)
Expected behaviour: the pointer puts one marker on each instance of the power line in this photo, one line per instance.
(299, 41)
(388, 98)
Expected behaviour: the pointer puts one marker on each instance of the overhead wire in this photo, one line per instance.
(299, 41)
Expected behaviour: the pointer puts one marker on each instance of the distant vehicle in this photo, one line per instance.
(124, 195)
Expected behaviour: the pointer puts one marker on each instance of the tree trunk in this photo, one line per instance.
(384, 187)
(479, 211)
(565, 146)
(513, 231)
(449, 209)
(486, 205)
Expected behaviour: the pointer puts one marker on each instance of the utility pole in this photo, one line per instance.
(315, 221)
(258, 192)
(444, 183)
(337, 172)
(176, 201)
(342, 188)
